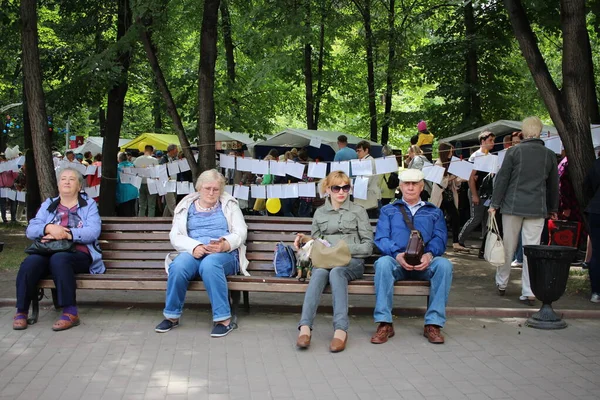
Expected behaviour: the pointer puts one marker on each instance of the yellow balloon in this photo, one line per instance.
(141, 146)
(273, 205)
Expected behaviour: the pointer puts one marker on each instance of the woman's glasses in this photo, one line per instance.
(336, 189)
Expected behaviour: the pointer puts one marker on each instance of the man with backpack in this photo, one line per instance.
(480, 188)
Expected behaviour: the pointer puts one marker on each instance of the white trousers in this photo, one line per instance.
(531, 233)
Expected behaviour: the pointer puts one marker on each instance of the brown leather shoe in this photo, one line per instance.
(303, 341)
(338, 345)
(385, 330)
(433, 334)
(61, 324)
(20, 323)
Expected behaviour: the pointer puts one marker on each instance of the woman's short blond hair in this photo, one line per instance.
(210, 175)
(532, 127)
(334, 178)
(416, 150)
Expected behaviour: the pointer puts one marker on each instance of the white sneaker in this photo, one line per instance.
(595, 298)
(516, 264)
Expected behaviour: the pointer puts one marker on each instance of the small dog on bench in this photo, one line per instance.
(303, 263)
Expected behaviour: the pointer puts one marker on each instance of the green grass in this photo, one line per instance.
(578, 283)
(15, 242)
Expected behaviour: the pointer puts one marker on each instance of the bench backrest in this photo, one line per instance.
(142, 243)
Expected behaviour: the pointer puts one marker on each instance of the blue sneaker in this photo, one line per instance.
(166, 326)
(221, 330)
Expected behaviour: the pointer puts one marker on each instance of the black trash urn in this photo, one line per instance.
(548, 273)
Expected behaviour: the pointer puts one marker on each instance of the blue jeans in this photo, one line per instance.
(388, 271)
(519, 252)
(212, 269)
(338, 278)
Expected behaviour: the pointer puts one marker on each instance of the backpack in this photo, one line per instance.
(393, 181)
(284, 261)
(487, 187)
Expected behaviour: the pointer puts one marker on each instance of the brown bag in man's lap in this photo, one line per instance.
(415, 246)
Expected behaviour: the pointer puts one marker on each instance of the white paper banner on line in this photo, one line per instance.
(361, 185)
(501, 154)
(241, 192)
(173, 168)
(184, 165)
(317, 170)
(460, 168)
(487, 163)
(161, 172)
(161, 187)
(258, 191)
(274, 192)
(152, 186)
(244, 164)
(315, 142)
(183, 188)
(90, 170)
(137, 182)
(554, 143)
(294, 169)
(277, 168)
(11, 194)
(434, 173)
(3, 192)
(386, 165)
(226, 161)
(290, 191)
(362, 167)
(172, 186)
(260, 167)
(229, 189)
(307, 189)
(21, 196)
(343, 166)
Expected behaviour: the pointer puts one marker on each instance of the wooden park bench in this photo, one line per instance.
(134, 250)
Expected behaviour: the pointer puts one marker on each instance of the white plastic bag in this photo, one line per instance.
(494, 246)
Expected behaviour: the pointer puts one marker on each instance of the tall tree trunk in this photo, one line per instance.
(206, 85)
(102, 120)
(472, 103)
(168, 99)
(235, 125)
(36, 108)
(33, 197)
(389, 87)
(308, 78)
(365, 10)
(157, 111)
(114, 116)
(319, 94)
(568, 107)
(594, 109)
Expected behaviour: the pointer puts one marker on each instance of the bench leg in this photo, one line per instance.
(246, 301)
(55, 299)
(235, 303)
(35, 307)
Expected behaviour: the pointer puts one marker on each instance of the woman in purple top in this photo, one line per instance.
(72, 217)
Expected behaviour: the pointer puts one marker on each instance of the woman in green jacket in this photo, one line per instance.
(337, 220)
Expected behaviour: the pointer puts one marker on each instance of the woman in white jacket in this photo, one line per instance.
(209, 232)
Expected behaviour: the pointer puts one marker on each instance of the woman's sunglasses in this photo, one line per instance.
(336, 189)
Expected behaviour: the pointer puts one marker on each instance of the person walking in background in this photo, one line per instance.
(476, 194)
(345, 153)
(592, 187)
(425, 140)
(147, 200)
(170, 197)
(388, 193)
(371, 203)
(127, 194)
(445, 196)
(526, 191)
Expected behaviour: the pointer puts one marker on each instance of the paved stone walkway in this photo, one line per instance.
(115, 354)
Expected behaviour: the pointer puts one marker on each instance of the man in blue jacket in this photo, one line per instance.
(391, 237)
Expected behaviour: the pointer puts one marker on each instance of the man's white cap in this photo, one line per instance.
(411, 175)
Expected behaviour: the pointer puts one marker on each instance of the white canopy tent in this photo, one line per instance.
(299, 138)
(94, 144)
(499, 128)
